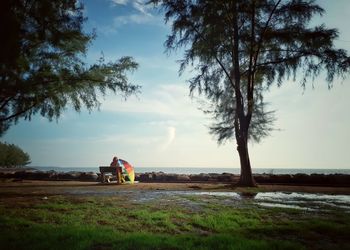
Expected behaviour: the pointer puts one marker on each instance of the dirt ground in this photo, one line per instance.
(32, 187)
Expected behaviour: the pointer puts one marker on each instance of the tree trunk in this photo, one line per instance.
(246, 178)
(241, 123)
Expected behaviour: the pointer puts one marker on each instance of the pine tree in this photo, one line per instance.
(12, 156)
(239, 48)
(41, 56)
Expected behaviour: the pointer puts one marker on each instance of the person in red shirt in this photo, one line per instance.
(114, 162)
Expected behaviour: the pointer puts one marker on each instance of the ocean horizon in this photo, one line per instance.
(199, 170)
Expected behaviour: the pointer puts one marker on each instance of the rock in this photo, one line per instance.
(225, 177)
(301, 178)
(183, 178)
(261, 178)
(170, 177)
(67, 176)
(162, 177)
(297, 179)
(157, 176)
(88, 176)
(137, 176)
(283, 178)
(199, 177)
(340, 180)
(40, 175)
(21, 174)
(7, 175)
(145, 177)
(53, 175)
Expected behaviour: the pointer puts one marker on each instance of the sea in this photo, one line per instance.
(199, 170)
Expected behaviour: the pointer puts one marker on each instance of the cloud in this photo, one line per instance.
(121, 2)
(142, 7)
(132, 12)
(165, 110)
(156, 141)
(139, 13)
(171, 132)
(133, 18)
(171, 101)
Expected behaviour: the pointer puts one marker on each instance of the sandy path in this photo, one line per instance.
(32, 187)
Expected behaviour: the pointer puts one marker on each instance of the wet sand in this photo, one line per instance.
(38, 188)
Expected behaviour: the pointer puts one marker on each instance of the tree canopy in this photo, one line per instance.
(42, 62)
(12, 156)
(239, 48)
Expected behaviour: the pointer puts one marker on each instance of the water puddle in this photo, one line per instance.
(303, 201)
(278, 205)
(293, 200)
(233, 195)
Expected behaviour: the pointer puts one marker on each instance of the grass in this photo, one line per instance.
(115, 223)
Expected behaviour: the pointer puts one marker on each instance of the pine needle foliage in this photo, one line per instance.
(239, 48)
(42, 62)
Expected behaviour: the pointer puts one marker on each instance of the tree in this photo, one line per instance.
(42, 69)
(12, 156)
(239, 48)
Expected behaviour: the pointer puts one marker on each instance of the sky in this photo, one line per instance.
(163, 127)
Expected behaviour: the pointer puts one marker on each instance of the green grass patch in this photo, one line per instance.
(115, 223)
(43, 236)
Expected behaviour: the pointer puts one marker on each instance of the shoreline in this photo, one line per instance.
(323, 180)
(199, 170)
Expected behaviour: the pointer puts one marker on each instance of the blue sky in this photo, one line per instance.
(163, 127)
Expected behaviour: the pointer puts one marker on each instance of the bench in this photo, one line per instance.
(110, 170)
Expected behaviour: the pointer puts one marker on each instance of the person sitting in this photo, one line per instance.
(115, 164)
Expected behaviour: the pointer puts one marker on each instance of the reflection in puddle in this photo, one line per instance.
(303, 196)
(248, 195)
(221, 194)
(278, 205)
(306, 201)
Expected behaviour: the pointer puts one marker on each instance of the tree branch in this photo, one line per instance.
(214, 52)
(5, 102)
(263, 33)
(20, 112)
(250, 95)
(282, 60)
